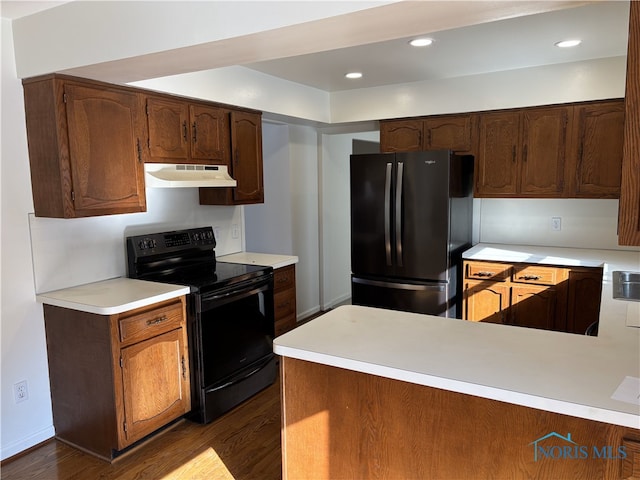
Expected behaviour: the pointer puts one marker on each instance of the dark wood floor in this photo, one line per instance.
(242, 445)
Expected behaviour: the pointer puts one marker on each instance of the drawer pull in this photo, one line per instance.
(483, 274)
(529, 277)
(284, 304)
(156, 321)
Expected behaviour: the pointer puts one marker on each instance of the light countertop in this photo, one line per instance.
(263, 259)
(559, 372)
(112, 296)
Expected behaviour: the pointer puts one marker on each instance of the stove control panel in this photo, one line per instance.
(171, 242)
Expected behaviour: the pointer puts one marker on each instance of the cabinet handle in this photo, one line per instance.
(184, 369)
(184, 130)
(529, 277)
(482, 274)
(284, 304)
(195, 133)
(156, 321)
(139, 150)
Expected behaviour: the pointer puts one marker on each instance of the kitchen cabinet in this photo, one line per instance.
(629, 209)
(583, 307)
(186, 132)
(246, 163)
(565, 299)
(445, 132)
(596, 160)
(522, 152)
(85, 147)
(284, 299)
(117, 378)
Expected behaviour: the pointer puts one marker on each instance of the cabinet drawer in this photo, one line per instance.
(538, 275)
(488, 271)
(284, 278)
(147, 323)
(284, 304)
(284, 325)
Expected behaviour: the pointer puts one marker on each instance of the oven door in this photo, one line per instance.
(233, 340)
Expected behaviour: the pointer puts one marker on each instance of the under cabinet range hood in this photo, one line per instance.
(169, 175)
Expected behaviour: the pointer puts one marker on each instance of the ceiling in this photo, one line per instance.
(495, 46)
(520, 42)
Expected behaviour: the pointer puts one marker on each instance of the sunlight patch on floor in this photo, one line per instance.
(206, 465)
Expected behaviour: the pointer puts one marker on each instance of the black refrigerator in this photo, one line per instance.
(411, 219)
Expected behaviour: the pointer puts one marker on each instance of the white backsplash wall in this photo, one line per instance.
(68, 252)
(585, 223)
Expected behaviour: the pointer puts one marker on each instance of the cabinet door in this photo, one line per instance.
(485, 301)
(401, 136)
(585, 288)
(449, 133)
(209, 134)
(629, 210)
(246, 140)
(168, 130)
(498, 154)
(155, 379)
(533, 306)
(544, 150)
(105, 129)
(599, 137)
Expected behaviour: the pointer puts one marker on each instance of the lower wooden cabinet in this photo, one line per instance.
(565, 299)
(117, 378)
(284, 299)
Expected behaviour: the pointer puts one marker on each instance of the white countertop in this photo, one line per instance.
(112, 296)
(559, 372)
(263, 259)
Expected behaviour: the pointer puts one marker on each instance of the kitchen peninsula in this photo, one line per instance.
(370, 393)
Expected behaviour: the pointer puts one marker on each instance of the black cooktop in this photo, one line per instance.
(185, 257)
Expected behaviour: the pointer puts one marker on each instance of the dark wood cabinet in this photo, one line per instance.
(597, 153)
(445, 132)
(117, 378)
(184, 132)
(85, 147)
(629, 210)
(284, 299)
(585, 289)
(246, 163)
(564, 299)
(522, 153)
(497, 159)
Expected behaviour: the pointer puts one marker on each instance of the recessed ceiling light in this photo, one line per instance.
(568, 43)
(421, 42)
(353, 75)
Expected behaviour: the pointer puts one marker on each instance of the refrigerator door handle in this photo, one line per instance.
(387, 213)
(439, 287)
(399, 214)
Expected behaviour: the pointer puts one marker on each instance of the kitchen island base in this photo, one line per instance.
(340, 423)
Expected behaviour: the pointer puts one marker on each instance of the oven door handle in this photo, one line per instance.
(238, 292)
(242, 377)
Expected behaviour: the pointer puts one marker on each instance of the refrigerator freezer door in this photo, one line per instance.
(423, 236)
(372, 180)
(428, 298)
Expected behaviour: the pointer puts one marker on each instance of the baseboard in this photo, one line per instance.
(19, 446)
(336, 302)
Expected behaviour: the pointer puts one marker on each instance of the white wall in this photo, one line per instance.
(335, 218)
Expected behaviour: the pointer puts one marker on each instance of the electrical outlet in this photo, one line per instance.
(235, 231)
(216, 233)
(556, 224)
(20, 392)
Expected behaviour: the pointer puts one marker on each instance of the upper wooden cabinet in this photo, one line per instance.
(446, 132)
(184, 132)
(85, 147)
(629, 213)
(596, 160)
(522, 153)
(565, 151)
(246, 164)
